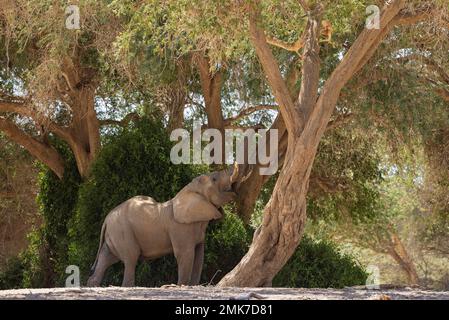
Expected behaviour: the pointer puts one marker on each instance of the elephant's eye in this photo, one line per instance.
(214, 179)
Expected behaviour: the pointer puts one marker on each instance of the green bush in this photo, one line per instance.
(57, 200)
(43, 262)
(319, 264)
(12, 275)
(227, 242)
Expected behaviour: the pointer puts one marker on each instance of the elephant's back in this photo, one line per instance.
(143, 206)
(133, 210)
(143, 200)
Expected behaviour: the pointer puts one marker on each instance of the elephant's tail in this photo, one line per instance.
(103, 229)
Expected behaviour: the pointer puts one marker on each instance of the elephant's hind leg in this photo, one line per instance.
(105, 260)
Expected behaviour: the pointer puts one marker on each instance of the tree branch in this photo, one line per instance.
(248, 111)
(443, 93)
(211, 86)
(272, 72)
(400, 19)
(407, 18)
(304, 5)
(43, 152)
(363, 48)
(294, 47)
(311, 65)
(432, 65)
(326, 185)
(339, 121)
(15, 107)
(123, 123)
(20, 109)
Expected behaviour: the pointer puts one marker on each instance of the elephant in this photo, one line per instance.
(141, 228)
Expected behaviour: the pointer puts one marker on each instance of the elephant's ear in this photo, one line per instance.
(190, 207)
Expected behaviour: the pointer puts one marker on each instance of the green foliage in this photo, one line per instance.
(349, 163)
(57, 199)
(37, 271)
(43, 262)
(45, 259)
(12, 275)
(227, 242)
(319, 264)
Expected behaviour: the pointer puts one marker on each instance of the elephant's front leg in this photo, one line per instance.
(185, 257)
(197, 264)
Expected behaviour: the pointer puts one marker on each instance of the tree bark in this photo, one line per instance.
(42, 151)
(83, 132)
(174, 100)
(211, 85)
(249, 189)
(400, 254)
(284, 215)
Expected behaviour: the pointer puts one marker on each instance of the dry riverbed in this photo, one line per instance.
(214, 293)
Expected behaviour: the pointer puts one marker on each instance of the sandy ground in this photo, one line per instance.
(213, 293)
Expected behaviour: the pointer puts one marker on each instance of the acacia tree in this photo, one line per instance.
(227, 85)
(305, 121)
(304, 94)
(416, 114)
(51, 77)
(386, 223)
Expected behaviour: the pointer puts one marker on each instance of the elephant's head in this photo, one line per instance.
(202, 199)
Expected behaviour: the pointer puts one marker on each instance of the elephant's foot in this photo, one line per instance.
(93, 282)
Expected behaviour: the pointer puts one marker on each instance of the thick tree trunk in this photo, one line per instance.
(176, 116)
(175, 102)
(211, 86)
(84, 132)
(44, 152)
(400, 254)
(248, 190)
(282, 227)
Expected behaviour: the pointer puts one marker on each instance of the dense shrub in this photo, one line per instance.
(43, 262)
(227, 242)
(12, 275)
(319, 264)
(57, 200)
